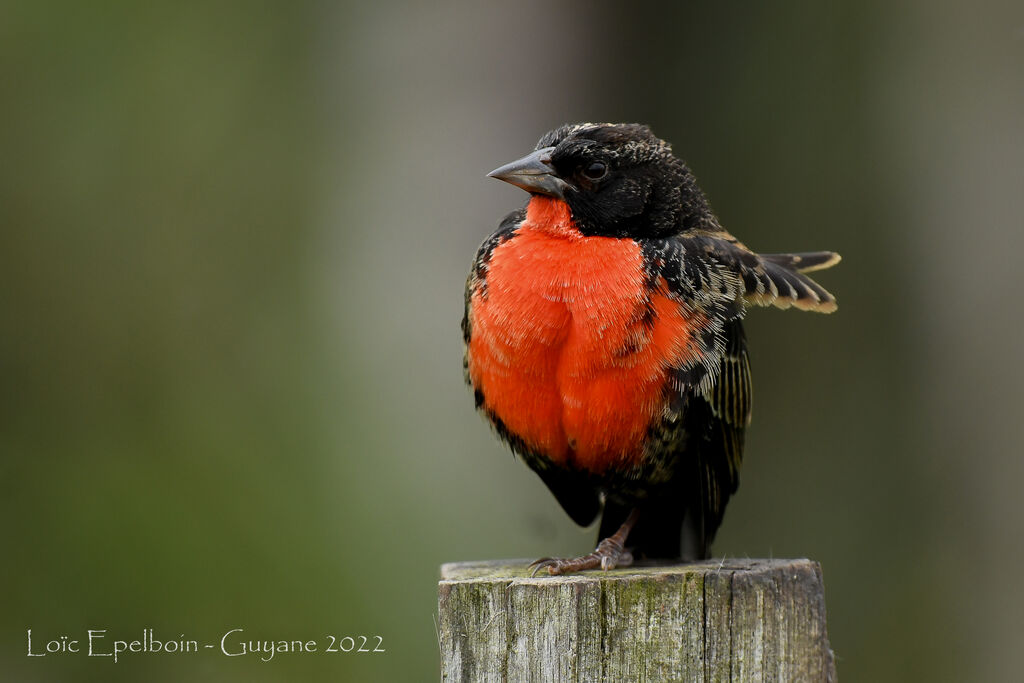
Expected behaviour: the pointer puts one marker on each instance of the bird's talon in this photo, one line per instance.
(543, 562)
(609, 554)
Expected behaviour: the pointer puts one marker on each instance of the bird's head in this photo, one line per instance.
(619, 180)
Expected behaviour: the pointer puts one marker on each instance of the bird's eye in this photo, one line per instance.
(595, 170)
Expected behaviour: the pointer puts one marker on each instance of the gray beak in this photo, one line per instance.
(534, 173)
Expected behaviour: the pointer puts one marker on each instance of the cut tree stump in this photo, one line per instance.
(740, 620)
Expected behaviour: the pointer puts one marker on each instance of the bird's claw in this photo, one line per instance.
(609, 554)
(540, 563)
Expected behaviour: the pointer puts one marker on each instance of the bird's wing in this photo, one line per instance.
(714, 276)
(771, 279)
(707, 406)
(805, 262)
(724, 413)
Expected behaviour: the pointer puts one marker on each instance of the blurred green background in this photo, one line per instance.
(233, 241)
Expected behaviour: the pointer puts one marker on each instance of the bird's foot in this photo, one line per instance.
(609, 554)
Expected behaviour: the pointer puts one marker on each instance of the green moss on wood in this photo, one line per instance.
(741, 619)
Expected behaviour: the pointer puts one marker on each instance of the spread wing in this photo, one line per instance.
(778, 280)
(709, 403)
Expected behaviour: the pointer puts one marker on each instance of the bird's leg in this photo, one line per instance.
(609, 553)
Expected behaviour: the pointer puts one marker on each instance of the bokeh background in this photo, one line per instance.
(233, 242)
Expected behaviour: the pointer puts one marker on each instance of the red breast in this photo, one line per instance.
(570, 348)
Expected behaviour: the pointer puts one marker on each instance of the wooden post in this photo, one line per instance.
(742, 620)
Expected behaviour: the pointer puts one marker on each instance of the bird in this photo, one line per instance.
(603, 339)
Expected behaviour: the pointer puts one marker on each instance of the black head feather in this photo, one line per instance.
(625, 182)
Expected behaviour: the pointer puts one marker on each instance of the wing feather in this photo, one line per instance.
(709, 402)
(769, 280)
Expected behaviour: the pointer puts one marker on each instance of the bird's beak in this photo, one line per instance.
(534, 173)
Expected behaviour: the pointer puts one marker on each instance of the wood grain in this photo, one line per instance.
(742, 620)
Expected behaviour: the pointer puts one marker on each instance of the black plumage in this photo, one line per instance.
(619, 181)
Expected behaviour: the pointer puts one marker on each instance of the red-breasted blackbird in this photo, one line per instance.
(604, 338)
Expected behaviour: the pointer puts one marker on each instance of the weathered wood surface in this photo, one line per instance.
(739, 620)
